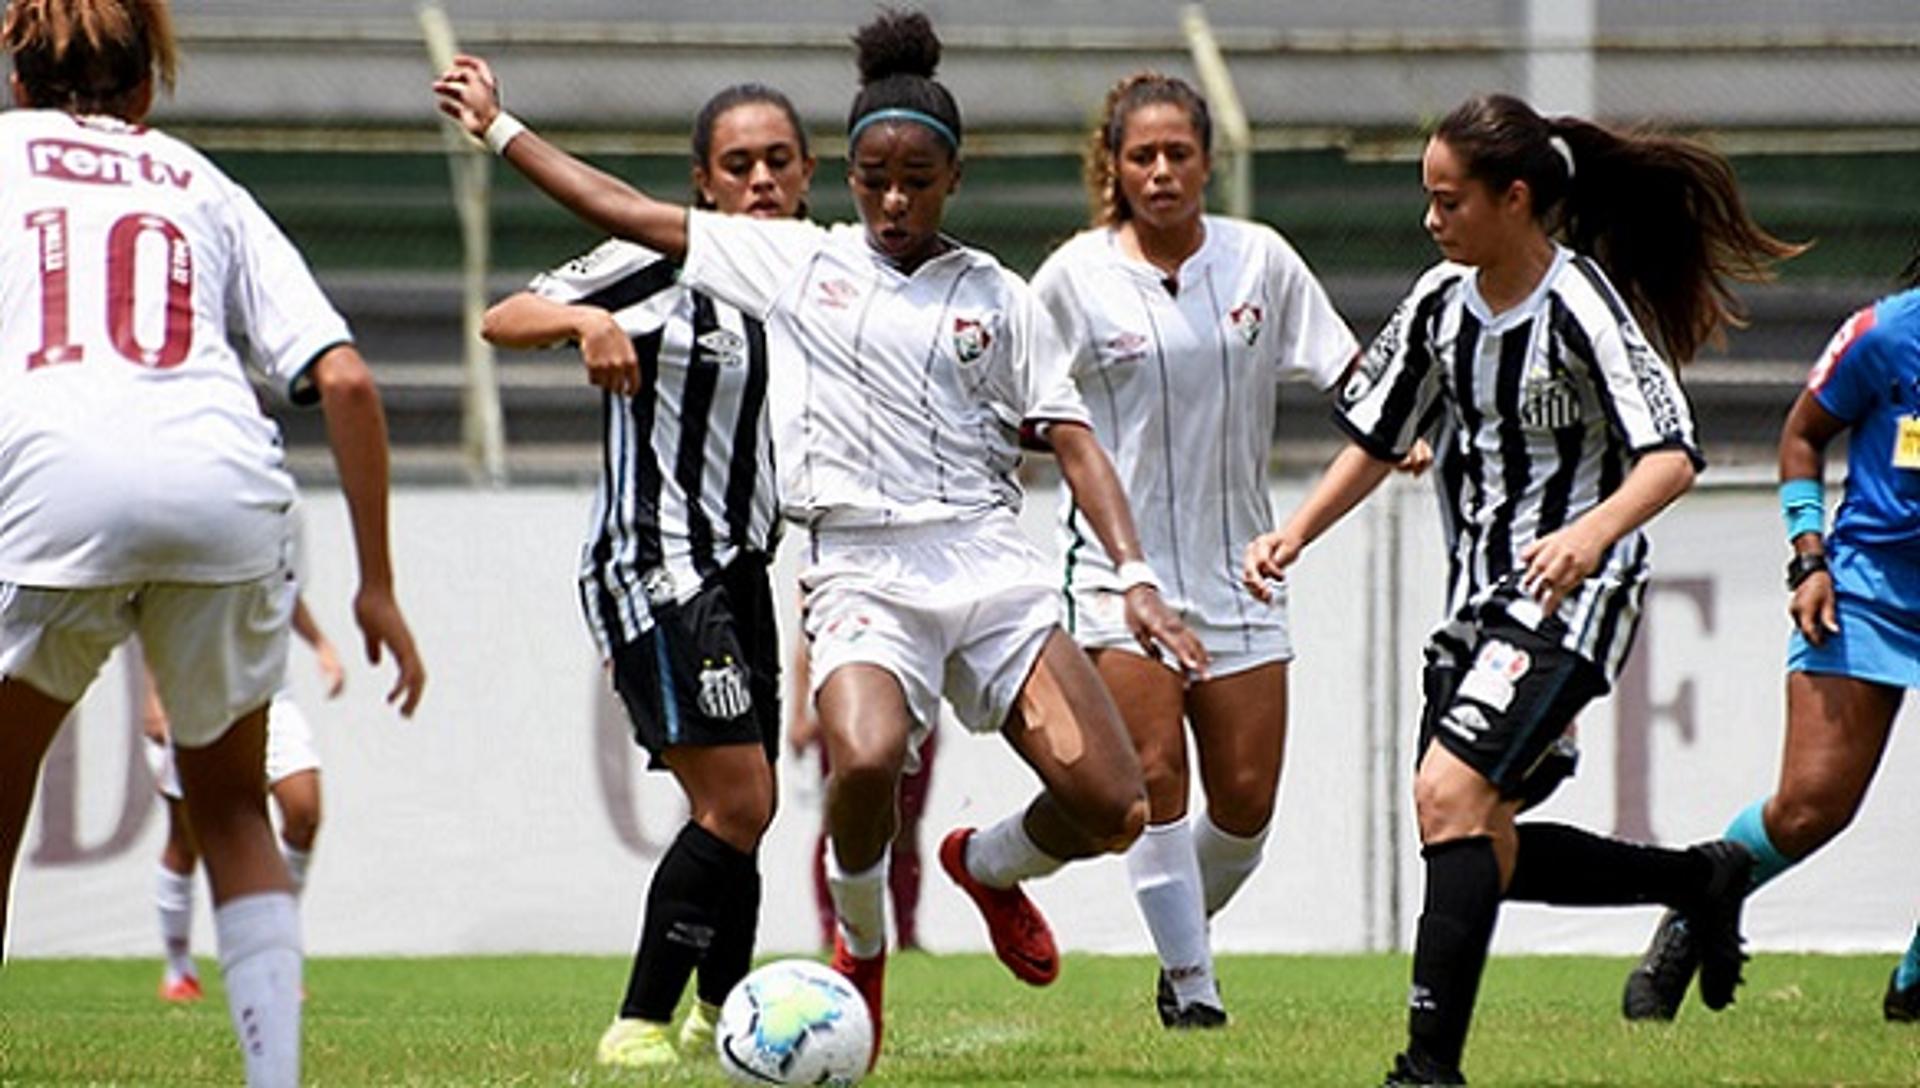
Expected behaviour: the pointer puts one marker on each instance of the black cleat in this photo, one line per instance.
(1164, 1002)
(1715, 923)
(1408, 1071)
(1658, 983)
(1173, 1015)
(1901, 1006)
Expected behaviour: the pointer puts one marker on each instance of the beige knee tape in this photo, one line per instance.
(1047, 712)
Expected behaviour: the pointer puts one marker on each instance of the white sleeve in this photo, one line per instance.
(747, 262)
(1642, 397)
(275, 303)
(1057, 292)
(1311, 339)
(1040, 359)
(1387, 398)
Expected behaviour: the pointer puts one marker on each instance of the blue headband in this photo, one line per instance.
(901, 113)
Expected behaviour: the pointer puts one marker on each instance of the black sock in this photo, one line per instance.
(731, 955)
(1463, 899)
(1568, 867)
(685, 909)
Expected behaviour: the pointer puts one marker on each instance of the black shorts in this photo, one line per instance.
(1507, 714)
(707, 672)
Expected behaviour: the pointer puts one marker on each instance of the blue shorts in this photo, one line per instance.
(1879, 611)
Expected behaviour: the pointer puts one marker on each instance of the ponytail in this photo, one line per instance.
(1661, 214)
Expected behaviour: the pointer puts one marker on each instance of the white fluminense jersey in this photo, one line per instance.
(686, 482)
(1536, 415)
(132, 448)
(1181, 380)
(907, 396)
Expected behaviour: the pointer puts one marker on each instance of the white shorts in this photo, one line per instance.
(216, 652)
(1097, 619)
(290, 749)
(960, 609)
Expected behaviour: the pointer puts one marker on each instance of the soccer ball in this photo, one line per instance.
(794, 1022)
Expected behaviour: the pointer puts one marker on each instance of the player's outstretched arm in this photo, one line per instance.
(1096, 491)
(357, 431)
(469, 93)
(1351, 477)
(526, 320)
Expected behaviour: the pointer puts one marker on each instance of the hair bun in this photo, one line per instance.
(897, 43)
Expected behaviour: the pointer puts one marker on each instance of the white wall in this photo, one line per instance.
(511, 814)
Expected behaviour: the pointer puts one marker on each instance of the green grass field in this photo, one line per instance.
(1802, 1020)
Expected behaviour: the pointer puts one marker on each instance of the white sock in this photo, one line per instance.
(1003, 855)
(173, 902)
(297, 862)
(1166, 883)
(1226, 860)
(260, 961)
(860, 903)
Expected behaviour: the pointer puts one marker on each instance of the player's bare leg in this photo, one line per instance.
(1066, 728)
(255, 917)
(173, 900)
(29, 719)
(865, 724)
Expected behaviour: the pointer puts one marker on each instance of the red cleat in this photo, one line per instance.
(181, 991)
(869, 976)
(1021, 937)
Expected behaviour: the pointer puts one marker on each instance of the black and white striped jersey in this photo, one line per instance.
(1536, 415)
(686, 476)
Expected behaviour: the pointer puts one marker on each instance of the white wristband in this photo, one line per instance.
(1135, 572)
(501, 131)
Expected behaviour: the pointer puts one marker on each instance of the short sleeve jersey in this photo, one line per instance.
(908, 395)
(1180, 375)
(686, 481)
(134, 275)
(1537, 414)
(1869, 377)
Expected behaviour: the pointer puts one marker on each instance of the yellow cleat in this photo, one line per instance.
(637, 1044)
(696, 1032)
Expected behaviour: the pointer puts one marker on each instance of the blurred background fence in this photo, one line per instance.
(323, 110)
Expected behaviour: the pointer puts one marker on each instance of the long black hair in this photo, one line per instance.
(1661, 214)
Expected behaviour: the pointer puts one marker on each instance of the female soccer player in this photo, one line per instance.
(1179, 326)
(1561, 432)
(1854, 596)
(921, 364)
(142, 490)
(673, 575)
(293, 781)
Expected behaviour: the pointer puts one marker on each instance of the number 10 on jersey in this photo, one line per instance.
(57, 345)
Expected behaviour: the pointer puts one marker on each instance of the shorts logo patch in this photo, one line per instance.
(1464, 720)
(1496, 669)
(723, 690)
(1246, 320)
(970, 339)
(724, 346)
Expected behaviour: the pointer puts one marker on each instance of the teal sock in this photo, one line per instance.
(1750, 830)
(1908, 973)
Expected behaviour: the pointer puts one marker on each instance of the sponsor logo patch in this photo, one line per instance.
(1496, 669)
(724, 346)
(836, 294)
(1124, 347)
(70, 160)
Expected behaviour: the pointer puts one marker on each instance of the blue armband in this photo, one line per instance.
(1803, 504)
